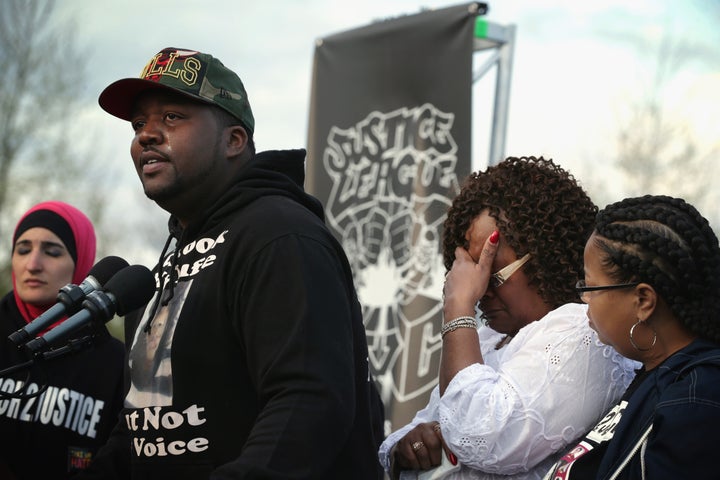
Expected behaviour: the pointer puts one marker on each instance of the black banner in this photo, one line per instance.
(389, 142)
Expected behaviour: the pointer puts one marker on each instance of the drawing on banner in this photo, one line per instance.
(393, 177)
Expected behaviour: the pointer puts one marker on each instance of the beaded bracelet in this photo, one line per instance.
(460, 322)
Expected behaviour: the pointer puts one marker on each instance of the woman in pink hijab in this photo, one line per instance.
(70, 403)
(53, 245)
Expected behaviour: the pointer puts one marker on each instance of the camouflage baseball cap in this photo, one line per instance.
(194, 74)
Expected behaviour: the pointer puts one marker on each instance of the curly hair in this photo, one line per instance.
(665, 242)
(540, 209)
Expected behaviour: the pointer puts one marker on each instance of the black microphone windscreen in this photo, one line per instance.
(104, 270)
(132, 287)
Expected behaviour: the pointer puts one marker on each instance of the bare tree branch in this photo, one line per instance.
(42, 72)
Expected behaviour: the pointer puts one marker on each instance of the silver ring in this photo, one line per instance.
(417, 446)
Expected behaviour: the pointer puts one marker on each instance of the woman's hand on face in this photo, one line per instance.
(420, 449)
(467, 281)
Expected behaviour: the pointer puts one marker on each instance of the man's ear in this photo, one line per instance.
(237, 140)
(647, 300)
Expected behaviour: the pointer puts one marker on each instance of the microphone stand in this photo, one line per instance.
(39, 359)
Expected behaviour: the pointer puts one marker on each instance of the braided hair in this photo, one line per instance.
(665, 242)
(540, 209)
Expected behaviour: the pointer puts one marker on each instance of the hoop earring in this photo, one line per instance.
(632, 340)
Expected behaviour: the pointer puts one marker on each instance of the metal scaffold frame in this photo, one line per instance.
(500, 39)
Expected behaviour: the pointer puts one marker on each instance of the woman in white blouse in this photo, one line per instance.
(514, 392)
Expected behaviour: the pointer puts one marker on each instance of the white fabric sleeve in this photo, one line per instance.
(488, 337)
(427, 414)
(554, 381)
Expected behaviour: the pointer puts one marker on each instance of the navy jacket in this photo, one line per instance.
(679, 402)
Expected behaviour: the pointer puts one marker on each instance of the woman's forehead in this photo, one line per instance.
(39, 234)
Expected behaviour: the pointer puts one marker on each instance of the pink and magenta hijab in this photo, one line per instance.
(76, 231)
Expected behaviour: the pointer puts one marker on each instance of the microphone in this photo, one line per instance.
(130, 288)
(70, 298)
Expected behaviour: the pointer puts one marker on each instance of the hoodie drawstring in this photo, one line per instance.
(161, 286)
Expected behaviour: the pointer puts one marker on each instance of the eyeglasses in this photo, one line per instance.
(501, 276)
(583, 290)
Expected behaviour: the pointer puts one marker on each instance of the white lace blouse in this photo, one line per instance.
(512, 417)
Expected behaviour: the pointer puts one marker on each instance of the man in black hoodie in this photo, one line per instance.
(251, 359)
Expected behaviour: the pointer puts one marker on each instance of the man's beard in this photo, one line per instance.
(181, 185)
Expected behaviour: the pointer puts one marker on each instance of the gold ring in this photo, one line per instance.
(417, 446)
(436, 427)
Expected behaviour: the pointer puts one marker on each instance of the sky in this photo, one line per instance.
(578, 66)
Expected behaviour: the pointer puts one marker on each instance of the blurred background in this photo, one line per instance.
(625, 95)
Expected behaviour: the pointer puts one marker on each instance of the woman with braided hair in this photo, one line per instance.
(514, 392)
(652, 284)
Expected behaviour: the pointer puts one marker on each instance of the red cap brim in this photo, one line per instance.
(119, 97)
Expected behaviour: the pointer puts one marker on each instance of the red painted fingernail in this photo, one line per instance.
(494, 237)
(452, 458)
